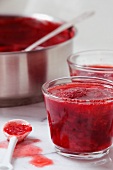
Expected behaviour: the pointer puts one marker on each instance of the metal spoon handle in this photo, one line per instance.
(60, 29)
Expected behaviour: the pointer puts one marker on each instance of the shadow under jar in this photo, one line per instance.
(22, 73)
(80, 115)
(96, 63)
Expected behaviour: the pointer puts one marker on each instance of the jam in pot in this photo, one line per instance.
(18, 32)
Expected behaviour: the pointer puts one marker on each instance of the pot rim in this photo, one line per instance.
(41, 17)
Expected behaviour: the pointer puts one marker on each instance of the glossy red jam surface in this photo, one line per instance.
(15, 128)
(80, 116)
(102, 71)
(17, 32)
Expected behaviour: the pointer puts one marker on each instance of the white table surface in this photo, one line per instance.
(93, 33)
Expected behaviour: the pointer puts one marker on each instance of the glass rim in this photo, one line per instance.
(101, 80)
(82, 67)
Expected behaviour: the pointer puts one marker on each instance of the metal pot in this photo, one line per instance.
(23, 73)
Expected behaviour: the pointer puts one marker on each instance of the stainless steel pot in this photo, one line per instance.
(23, 73)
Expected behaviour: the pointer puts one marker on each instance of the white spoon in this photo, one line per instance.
(60, 29)
(15, 130)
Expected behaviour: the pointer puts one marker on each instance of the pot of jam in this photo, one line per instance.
(23, 73)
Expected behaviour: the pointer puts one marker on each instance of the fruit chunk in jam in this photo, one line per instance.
(80, 116)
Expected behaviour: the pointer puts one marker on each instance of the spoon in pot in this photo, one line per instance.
(15, 130)
(60, 29)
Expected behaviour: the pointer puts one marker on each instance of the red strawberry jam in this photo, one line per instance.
(17, 32)
(102, 71)
(17, 128)
(80, 116)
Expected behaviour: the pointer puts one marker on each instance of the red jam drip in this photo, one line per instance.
(14, 128)
(28, 149)
(17, 33)
(80, 126)
(41, 161)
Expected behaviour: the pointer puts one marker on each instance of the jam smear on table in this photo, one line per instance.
(41, 161)
(28, 148)
(81, 118)
(102, 71)
(17, 32)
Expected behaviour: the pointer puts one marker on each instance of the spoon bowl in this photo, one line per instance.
(15, 130)
(17, 127)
